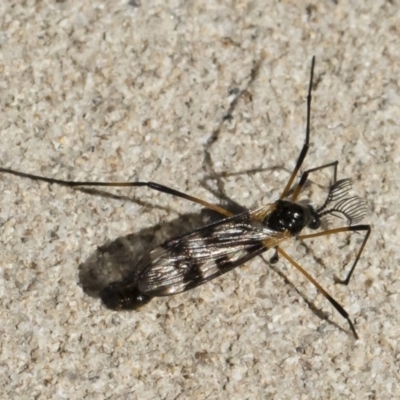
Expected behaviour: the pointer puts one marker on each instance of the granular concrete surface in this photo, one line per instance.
(209, 98)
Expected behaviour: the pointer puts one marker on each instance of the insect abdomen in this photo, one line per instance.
(118, 296)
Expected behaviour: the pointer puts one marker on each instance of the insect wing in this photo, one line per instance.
(190, 260)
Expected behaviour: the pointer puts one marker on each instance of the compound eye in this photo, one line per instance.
(314, 223)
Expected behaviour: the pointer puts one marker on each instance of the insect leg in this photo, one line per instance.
(275, 258)
(306, 145)
(335, 304)
(173, 192)
(151, 185)
(354, 228)
(305, 174)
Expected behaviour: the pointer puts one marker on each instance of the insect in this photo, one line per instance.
(195, 258)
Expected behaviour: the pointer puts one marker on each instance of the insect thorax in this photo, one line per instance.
(292, 217)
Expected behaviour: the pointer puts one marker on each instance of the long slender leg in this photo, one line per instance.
(151, 185)
(354, 228)
(335, 304)
(305, 174)
(306, 145)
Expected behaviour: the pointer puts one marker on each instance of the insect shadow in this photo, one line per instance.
(116, 259)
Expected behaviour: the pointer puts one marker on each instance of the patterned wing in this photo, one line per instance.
(197, 257)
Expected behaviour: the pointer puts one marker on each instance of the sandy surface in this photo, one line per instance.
(114, 91)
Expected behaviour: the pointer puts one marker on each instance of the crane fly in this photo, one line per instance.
(192, 259)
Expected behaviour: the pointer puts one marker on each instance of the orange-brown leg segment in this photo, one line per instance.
(354, 228)
(335, 304)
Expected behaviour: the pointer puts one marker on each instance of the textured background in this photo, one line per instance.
(114, 91)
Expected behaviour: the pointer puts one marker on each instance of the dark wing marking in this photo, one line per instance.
(190, 260)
